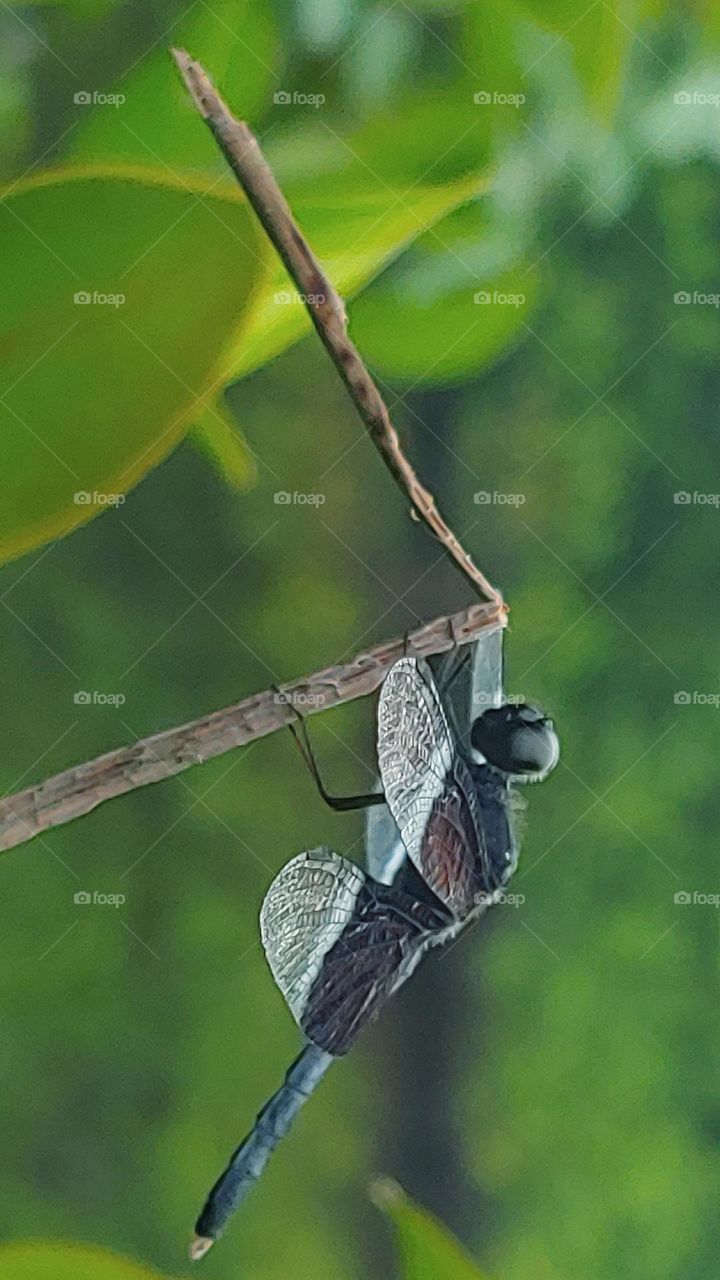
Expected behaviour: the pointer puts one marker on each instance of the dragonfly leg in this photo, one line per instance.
(408, 646)
(341, 804)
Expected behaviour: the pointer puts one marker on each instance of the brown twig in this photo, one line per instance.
(327, 312)
(79, 790)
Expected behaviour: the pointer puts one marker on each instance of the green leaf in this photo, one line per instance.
(450, 306)
(155, 121)
(443, 90)
(601, 37)
(55, 1260)
(78, 8)
(427, 1250)
(120, 290)
(216, 435)
(354, 236)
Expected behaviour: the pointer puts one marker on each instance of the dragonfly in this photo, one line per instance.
(441, 846)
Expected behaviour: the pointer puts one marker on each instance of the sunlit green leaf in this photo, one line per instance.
(450, 305)
(215, 434)
(427, 1249)
(155, 122)
(56, 1260)
(111, 329)
(354, 237)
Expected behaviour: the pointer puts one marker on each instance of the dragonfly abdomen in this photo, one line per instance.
(250, 1158)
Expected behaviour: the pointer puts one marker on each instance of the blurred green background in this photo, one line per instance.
(545, 1087)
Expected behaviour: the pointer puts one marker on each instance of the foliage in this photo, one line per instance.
(52, 1261)
(543, 1086)
(427, 1251)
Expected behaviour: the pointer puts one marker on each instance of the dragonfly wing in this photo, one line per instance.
(471, 680)
(339, 944)
(428, 786)
(415, 748)
(306, 909)
(385, 852)
(487, 672)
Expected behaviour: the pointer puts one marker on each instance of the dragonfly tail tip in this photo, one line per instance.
(199, 1246)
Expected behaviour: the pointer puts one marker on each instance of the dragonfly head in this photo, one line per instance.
(517, 739)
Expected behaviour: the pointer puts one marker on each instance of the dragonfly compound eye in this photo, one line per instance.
(519, 740)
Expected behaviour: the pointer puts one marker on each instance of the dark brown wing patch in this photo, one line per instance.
(376, 952)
